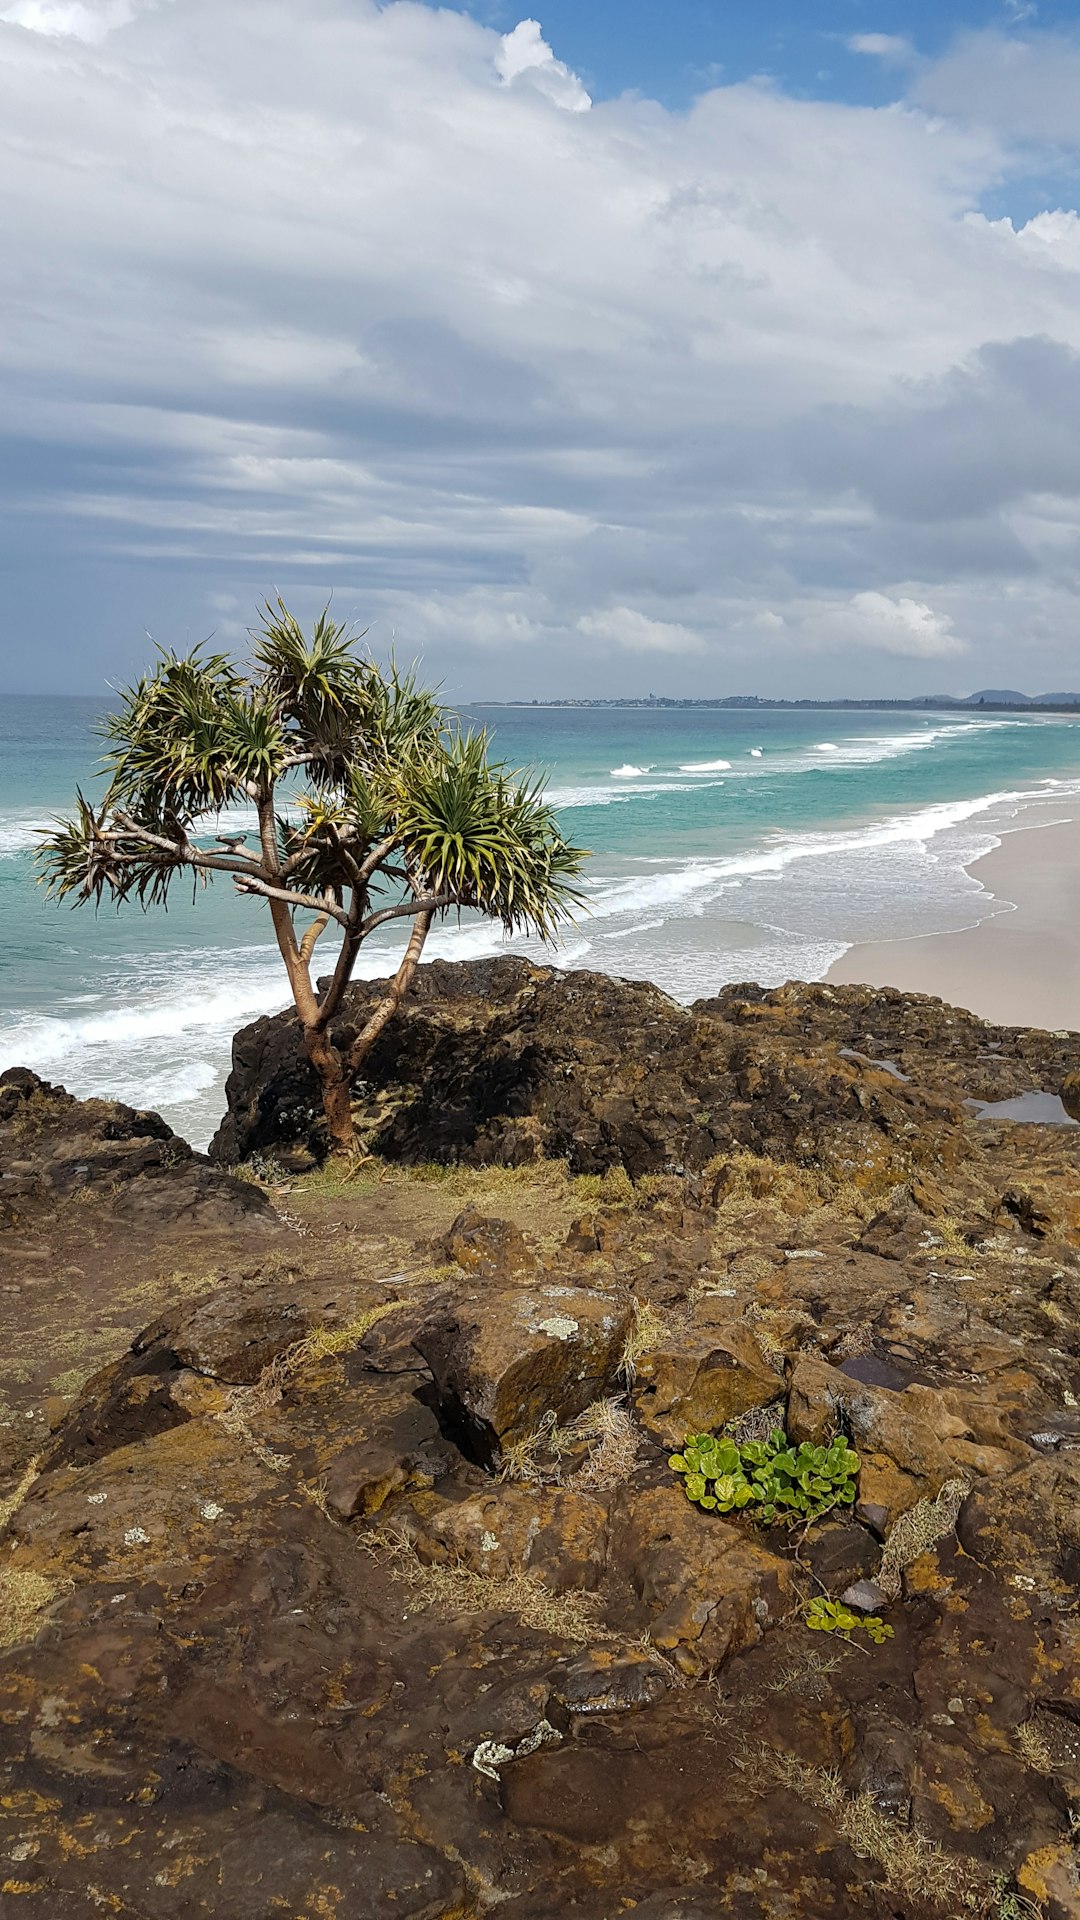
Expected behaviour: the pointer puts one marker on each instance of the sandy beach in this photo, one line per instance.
(1021, 964)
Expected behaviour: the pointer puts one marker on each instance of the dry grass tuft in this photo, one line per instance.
(450, 1590)
(920, 1528)
(912, 1866)
(11, 1502)
(1034, 1749)
(23, 1597)
(606, 1427)
(535, 1457)
(319, 1344)
(757, 1424)
(647, 1329)
(807, 1675)
(617, 1444)
(617, 1188)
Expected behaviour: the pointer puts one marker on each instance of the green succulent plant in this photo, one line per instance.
(831, 1616)
(781, 1482)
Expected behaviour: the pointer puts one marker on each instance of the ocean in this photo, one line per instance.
(727, 845)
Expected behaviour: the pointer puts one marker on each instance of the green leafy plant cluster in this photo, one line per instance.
(781, 1482)
(831, 1616)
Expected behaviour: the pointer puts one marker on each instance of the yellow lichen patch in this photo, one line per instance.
(925, 1576)
(1050, 1873)
(962, 1803)
(28, 1804)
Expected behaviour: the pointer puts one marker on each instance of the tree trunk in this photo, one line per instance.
(336, 1093)
(399, 987)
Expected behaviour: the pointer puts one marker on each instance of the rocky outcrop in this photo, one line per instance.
(359, 1582)
(54, 1148)
(501, 1062)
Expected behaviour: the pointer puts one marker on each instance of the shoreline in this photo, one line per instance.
(1019, 966)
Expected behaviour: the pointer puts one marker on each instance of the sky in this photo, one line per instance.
(643, 346)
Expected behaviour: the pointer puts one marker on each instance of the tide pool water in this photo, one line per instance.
(727, 845)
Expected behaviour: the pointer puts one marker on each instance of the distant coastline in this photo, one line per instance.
(937, 703)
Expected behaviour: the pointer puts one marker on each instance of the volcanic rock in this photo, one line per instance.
(504, 1358)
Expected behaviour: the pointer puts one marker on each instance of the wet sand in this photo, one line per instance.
(1021, 965)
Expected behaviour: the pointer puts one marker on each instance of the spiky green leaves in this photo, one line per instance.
(484, 840)
(367, 793)
(779, 1482)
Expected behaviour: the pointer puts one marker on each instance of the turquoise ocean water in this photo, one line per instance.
(729, 845)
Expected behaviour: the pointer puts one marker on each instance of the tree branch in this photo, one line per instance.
(317, 928)
(251, 883)
(375, 857)
(183, 851)
(399, 987)
(433, 903)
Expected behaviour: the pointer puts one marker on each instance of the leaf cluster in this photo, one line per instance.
(782, 1483)
(831, 1616)
(362, 783)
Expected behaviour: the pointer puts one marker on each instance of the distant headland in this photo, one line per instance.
(993, 700)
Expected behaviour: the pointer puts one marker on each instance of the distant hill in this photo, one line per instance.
(1008, 697)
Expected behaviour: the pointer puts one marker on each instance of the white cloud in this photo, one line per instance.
(896, 48)
(905, 626)
(526, 52)
(634, 632)
(90, 20)
(326, 293)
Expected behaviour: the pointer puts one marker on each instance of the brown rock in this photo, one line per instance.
(705, 1585)
(551, 1531)
(696, 1381)
(493, 1248)
(503, 1359)
(902, 1458)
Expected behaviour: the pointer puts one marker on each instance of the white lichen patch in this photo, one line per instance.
(95, 1499)
(490, 1755)
(136, 1537)
(558, 1327)
(488, 1542)
(210, 1510)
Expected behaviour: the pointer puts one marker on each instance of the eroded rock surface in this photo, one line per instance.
(360, 1584)
(501, 1062)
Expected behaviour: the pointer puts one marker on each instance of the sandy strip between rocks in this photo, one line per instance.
(1020, 966)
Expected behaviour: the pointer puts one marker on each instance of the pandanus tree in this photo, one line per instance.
(372, 808)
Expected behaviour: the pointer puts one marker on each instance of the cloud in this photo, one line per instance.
(625, 627)
(1023, 88)
(526, 53)
(902, 626)
(90, 20)
(895, 48)
(320, 294)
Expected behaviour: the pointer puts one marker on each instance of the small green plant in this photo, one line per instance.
(781, 1482)
(831, 1616)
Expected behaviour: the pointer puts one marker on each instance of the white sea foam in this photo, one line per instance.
(756, 753)
(629, 772)
(20, 832)
(826, 746)
(705, 766)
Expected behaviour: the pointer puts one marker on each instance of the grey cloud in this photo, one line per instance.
(1026, 88)
(357, 303)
